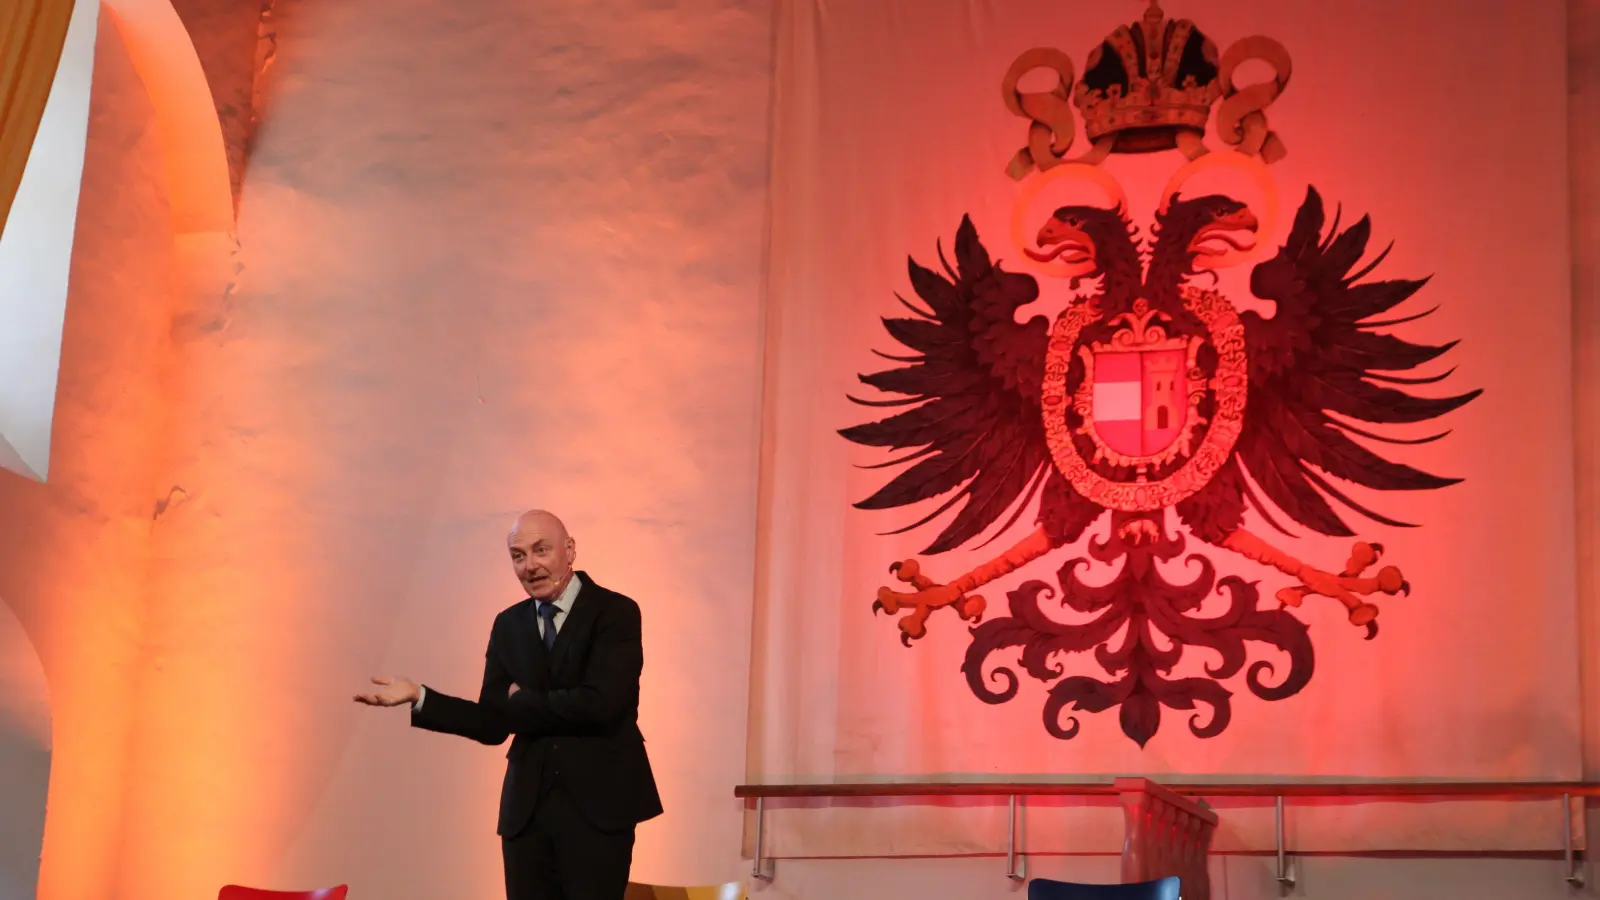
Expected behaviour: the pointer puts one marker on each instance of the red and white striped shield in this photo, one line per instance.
(1140, 399)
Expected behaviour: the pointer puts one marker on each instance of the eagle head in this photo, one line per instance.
(1080, 237)
(1202, 229)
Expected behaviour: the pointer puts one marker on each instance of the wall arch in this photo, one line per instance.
(36, 248)
(191, 135)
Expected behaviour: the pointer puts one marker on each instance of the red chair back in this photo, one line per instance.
(235, 892)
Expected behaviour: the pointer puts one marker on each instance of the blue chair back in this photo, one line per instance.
(1045, 889)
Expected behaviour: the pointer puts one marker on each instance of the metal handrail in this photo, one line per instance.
(1276, 791)
(1479, 789)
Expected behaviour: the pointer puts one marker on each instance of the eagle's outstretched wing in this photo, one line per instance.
(973, 388)
(1322, 353)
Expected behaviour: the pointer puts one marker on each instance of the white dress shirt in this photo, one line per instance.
(563, 606)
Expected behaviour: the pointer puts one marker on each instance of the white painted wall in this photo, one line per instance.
(492, 254)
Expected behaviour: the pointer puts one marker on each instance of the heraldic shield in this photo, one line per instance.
(1141, 408)
(1139, 398)
(1139, 395)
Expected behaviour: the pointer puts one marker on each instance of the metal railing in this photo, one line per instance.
(758, 794)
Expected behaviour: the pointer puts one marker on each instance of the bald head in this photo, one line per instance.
(542, 553)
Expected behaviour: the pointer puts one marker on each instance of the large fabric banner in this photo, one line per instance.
(1178, 390)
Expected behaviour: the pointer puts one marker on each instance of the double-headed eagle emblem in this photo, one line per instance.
(1150, 392)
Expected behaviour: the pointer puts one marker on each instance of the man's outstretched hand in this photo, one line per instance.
(390, 692)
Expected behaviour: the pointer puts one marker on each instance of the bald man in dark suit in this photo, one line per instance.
(561, 678)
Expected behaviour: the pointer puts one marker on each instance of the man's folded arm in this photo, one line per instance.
(609, 690)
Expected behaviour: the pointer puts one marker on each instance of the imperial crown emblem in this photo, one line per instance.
(1149, 86)
(1147, 80)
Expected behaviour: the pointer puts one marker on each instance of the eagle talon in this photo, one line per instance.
(909, 571)
(1362, 556)
(1390, 581)
(920, 603)
(1363, 614)
(971, 608)
(1351, 587)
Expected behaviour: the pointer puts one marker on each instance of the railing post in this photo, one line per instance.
(1574, 870)
(1285, 875)
(1016, 867)
(757, 870)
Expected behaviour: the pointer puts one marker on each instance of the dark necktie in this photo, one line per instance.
(547, 612)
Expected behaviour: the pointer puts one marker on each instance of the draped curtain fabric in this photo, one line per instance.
(32, 33)
(890, 129)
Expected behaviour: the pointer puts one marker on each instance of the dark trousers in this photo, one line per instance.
(560, 855)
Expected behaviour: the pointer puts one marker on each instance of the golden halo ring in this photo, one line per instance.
(1256, 170)
(1067, 171)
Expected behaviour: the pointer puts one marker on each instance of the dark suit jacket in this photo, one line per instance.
(575, 717)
